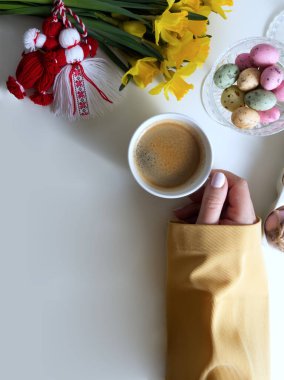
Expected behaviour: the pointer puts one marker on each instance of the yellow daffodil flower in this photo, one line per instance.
(198, 28)
(193, 6)
(189, 49)
(216, 5)
(176, 85)
(143, 72)
(135, 28)
(204, 10)
(170, 23)
(170, 4)
(187, 4)
(165, 69)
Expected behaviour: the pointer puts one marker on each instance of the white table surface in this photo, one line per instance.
(82, 247)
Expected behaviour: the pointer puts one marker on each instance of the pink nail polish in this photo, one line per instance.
(218, 180)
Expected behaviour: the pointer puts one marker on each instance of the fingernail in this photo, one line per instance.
(218, 180)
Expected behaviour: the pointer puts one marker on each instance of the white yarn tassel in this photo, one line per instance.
(108, 78)
(86, 95)
(63, 102)
(69, 37)
(75, 54)
(33, 39)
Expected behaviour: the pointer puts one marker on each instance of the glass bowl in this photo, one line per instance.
(211, 94)
(276, 28)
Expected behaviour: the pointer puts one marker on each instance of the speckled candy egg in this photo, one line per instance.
(271, 77)
(232, 98)
(245, 118)
(264, 55)
(279, 92)
(260, 100)
(226, 75)
(249, 79)
(244, 61)
(269, 116)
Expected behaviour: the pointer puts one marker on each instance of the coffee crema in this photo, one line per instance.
(168, 154)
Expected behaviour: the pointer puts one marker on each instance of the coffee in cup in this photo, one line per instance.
(170, 156)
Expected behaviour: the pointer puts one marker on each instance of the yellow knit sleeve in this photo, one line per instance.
(217, 303)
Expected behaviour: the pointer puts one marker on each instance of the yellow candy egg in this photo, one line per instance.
(232, 98)
(245, 118)
(249, 79)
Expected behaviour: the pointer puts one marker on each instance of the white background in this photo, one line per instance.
(82, 247)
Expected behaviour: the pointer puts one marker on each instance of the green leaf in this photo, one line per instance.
(30, 3)
(29, 10)
(104, 6)
(196, 17)
(113, 57)
(120, 36)
(7, 5)
(141, 5)
(106, 41)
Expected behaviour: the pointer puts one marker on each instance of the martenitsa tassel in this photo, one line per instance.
(60, 66)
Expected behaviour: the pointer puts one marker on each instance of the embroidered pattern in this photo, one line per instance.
(80, 94)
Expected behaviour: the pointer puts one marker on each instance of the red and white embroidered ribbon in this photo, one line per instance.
(77, 79)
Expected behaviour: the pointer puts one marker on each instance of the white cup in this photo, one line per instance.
(192, 184)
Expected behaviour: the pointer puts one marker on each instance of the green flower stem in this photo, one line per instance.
(114, 58)
(109, 20)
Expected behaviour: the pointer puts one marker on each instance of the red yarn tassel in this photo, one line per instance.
(42, 99)
(15, 88)
(51, 27)
(29, 70)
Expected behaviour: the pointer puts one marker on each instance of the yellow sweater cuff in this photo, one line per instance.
(194, 239)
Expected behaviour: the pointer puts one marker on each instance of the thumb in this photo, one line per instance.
(213, 199)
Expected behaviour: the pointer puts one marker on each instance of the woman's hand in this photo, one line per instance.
(224, 200)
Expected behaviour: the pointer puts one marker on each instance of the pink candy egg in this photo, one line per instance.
(271, 77)
(264, 55)
(269, 116)
(279, 92)
(244, 61)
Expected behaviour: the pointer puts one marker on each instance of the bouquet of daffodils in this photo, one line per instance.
(163, 40)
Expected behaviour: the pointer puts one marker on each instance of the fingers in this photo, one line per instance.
(232, 178)
(240, 208)
(213, 199)
(225, 200)
(191, 210)
(198, 195)
(187, 212)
